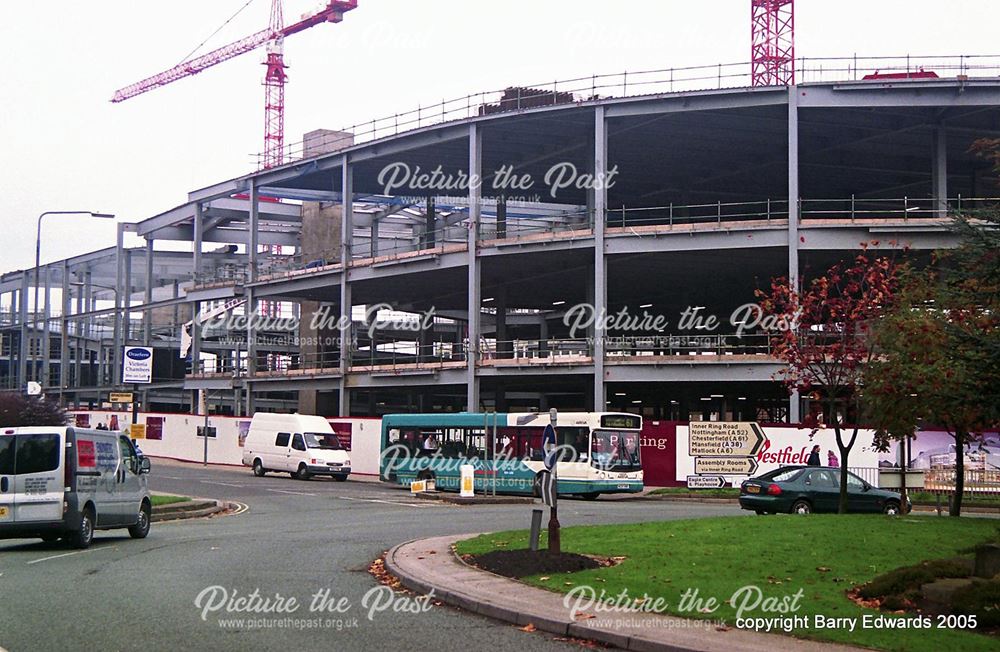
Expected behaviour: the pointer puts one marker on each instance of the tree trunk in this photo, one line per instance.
(844, 452)
(956, 502)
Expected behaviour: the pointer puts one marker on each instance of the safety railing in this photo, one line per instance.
(714, 212)
(521, 227)
(393, 353)
(841, 209)
(901, 208)
(645, 82)
(295, 364)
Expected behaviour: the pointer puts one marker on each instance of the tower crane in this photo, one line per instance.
(332, 11)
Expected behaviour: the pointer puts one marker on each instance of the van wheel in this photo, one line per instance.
(340, 478)
(84, 535)
(50, 538)
(141, 527)
(590, 495)
(302, 473)
(258, 469)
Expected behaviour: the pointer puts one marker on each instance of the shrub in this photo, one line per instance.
(906, 581)
(20, 410)
(981, 599)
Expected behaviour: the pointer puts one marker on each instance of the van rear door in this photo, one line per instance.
(6, 478)
(38, 483)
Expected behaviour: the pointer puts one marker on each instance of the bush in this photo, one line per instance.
(905, 582)
(981, 599)
(20, 410)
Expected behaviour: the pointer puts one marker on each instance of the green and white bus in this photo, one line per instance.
(598, 451)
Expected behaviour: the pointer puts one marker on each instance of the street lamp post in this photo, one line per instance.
(38, 263)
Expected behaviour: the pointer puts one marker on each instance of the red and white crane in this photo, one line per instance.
(275, 78)
(772, 42)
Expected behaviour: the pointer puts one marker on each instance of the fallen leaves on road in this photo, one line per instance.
(378, 570)
(527, 628)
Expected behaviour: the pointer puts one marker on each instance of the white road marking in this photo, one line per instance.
(295, 493)
(225, 484)
(240, 508)
(67, 554)
(387, 502)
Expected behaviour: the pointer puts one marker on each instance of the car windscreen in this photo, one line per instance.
(322, 441)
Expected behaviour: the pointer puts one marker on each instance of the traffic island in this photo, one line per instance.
(788, 575)
(431, 565)
(173, 508)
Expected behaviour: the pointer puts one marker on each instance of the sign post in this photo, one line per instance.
(137, 368)
(722, 449)
(550, 444)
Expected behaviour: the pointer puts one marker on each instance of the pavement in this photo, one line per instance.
(427, 565)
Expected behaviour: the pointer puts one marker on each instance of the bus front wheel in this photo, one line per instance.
(591, 495)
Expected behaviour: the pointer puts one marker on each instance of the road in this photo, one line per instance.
(295, 539)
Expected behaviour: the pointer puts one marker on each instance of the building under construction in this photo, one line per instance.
(451, 297)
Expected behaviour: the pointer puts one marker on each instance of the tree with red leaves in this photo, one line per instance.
(20, 410)
(827, 345)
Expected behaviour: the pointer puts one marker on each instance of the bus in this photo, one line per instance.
(598, 452)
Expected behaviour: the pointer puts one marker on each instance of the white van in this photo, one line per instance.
(61, 482)
(301, 444)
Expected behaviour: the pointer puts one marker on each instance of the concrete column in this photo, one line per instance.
(794, 415)
(346, 238)
(117, 339)
(429, 225)
(199, 230)
(127, 301)
(475, 273)
(22, 356)
(793, 186)
(500, 303)
(46, 330)
(501, 217)
(253, 235)
(939, 173)
(600, 269)
(374, 238)
(250, 309)
(67, 305)
(147, 315)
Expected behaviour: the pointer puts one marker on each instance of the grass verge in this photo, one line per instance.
(823, 555)
(168, 500)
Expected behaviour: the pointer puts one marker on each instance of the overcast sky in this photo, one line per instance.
(66, 147)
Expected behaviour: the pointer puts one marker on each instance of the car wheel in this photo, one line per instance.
(340, 478)
(84, 534)
(258, 469)
(302, 473)
(141, 527)
(801, 507)
(891, 508)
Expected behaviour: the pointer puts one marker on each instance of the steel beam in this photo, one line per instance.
(475, 272)
(599, 218)
(346, 251)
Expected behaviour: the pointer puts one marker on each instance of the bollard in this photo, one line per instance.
(467, 475)
(536, 528)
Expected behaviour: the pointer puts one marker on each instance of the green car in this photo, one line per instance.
(806, 489)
